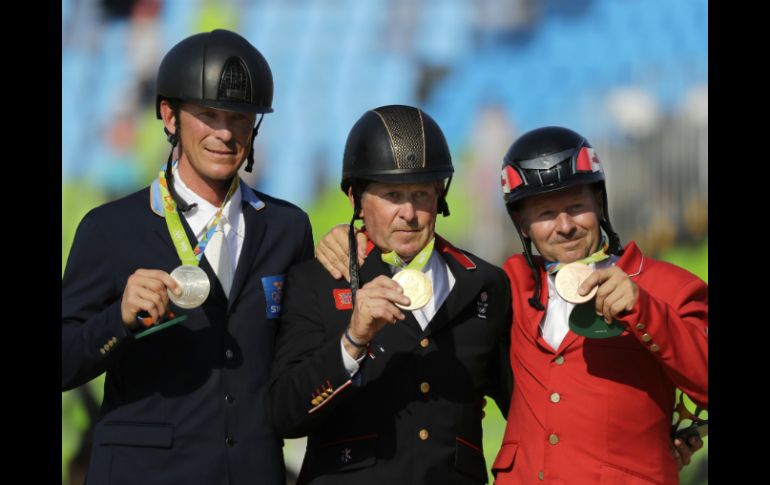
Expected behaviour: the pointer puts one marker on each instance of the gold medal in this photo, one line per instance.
(416, 286)
(568, 281)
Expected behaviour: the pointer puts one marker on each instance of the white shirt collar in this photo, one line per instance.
(199, 216)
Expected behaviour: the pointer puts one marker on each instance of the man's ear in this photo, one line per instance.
(353, 202)
(519, 220)
(599, 195)
(168, 116)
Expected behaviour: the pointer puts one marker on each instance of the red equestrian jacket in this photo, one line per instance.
(599, 411)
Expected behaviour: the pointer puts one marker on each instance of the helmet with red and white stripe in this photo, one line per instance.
(550, 159)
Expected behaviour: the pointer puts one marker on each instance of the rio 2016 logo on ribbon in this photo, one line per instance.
(273, 286)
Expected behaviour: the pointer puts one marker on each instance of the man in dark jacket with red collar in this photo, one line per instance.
(387, 379)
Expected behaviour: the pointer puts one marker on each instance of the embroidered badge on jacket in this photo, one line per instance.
(273, 286)
(343, 299)
(346, 455)
(482, 305)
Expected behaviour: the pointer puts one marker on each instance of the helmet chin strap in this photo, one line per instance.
(526, 243)
(442, 206)
(353, 248)
(616, 247)
(250, 162)
(171, 137)
(181, 204)
(534, 300)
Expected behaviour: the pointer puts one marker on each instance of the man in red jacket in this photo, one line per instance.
(594, 381)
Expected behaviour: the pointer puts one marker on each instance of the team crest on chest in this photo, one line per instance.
(273, 287)
(482, 305)
(345, 456)
(343, 299)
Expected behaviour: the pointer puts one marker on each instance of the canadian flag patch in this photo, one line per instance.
(510, 179)
(343, 299)
(588, 161)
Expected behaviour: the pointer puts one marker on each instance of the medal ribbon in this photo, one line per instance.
(418, 262)
(553, 266)
(189, 256)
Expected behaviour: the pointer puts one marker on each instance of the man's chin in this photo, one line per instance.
(222, 174)
(572, 256)
(407, 251)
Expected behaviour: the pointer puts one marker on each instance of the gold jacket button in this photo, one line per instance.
(553, 439)
(646, 337)
(424, 343)
(559, 360)
(424, 387)
(654, 347)
(555, 397)
(423, 434)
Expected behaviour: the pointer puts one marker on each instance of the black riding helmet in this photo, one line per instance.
(220, 70)
(545, 160)
(393, 144)
(396, 144)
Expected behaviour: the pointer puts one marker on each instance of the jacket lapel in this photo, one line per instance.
(632, 260)
(466, 288)
(537, 316)
(568, 340)
(533, 315)
(161, 232)
(254, 232)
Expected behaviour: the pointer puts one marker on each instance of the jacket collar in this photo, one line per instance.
(467, 286)
(156, 199)
(444, 248)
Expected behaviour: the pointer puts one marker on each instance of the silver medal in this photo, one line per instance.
(195, 286)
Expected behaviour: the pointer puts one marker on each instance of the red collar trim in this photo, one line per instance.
(369, 243)
(444, 246)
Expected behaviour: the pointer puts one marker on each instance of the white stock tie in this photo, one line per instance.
(219, 257)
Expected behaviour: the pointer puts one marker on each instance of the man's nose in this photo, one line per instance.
(222, 126)
(407, 211)
(564, 223)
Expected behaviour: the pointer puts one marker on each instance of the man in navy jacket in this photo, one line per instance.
(187, 403)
